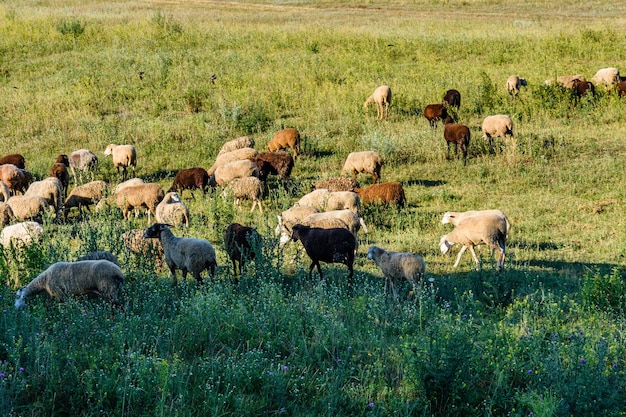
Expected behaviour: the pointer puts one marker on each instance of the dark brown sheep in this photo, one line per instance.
(621, 88)
(276, 163)
(582, 88)
(326, 245)
(459, 135)
(190, 179)
(15, 159)
(452, 98)
(385, 193)
(62, 159)
(241, 243)
(435, 112)
(59, 170)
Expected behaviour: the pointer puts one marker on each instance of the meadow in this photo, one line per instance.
(545, 337)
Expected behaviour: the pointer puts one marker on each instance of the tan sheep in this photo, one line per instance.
(13, 177)
(606, 76)
(513, 85)
(124, 156)
(325, 200)
(367, 162)
(499, 125)
(83, 196)
(28, 207)
(50, 189)
(248, 188)
(235, 169)
(147, 196)
(81, 161)
(397, 266)
(382, 98)
(233, 145)
(236, 155)
(455, 217)
(172, 211)
(288, 138)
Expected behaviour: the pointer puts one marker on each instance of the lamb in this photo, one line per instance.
(248, 188)
(606, 76)
(459, 135)
(235, 169)
(85, 195)
(172, 211)
(286, 138)
(124, 156)
(236, 155)
(325, 200)
(497, 125)
(367, 162)
(240, 142)
(190, 179)
(452, 98)
(241, 243)
(486, 229)
(50, 189)
(98, 256)
(326, 245)
(513, 85)
(337, 184)
(435, 112)
(63, 279)
(80, 161)
(14, 159)
(6, 214)
(187, 254)
(13, 177)
(334, 219)
(28, 207)
(397, 266)
(147, 195)
(276, 163)
(19, 234)
(382, 98)
(456, 217)
(385, 193)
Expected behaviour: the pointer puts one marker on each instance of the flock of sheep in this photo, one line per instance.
(326, 221)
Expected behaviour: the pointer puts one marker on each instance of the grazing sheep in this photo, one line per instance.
(567, 80)
(621, 88)
(455, 217)
(337, 184)
(190, 179)
(236, 169)
(172, 211)
(452, 98)
(28, 207)
(147, 195)
(290, 217)
(582, 88)
(5, 193)
(276, 163)
(382, 98)
(14, 159)
(248, 188)
(59, 170)
(6, 214)
(241, 243)
(136, 243)
(325, 200)
(459, 135)
(513, 85)
(19, 234)
(486, 229)
(99, 256)
(327, 220)
(397, 266)
(236, 155)
(63, 279)
(366, 162)
(240, 142)
(50, 189)
(286, 138)
(606, 76)
(13, 177)
(85, 195)
(128, 183)
(435, 112)
(326, 245)
(62, 159)
(80, 161)
(385, 193)
(124, 156)
(497, 125)
(187, 254)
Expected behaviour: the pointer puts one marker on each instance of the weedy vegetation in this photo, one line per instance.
(545, 337)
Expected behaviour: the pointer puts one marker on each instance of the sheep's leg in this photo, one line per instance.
(478, 264)
(458, 258)
(173, 272)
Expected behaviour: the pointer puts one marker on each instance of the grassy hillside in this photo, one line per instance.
(543, 337)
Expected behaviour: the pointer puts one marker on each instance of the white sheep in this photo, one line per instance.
(397, 266)
(19, 234)
(293, 215)
(83, 196)
(247, 188)
(147, 195)
(80, 161)
(28, 207)
(50, 189)
(63, 279)
(368, 162)
(235, 169)
(606, 76)
(172, 211)
(187, 254)
(455, 217)
(233, 145)
(382, 98)
(128, 183)
(6, 214)
(498, 125)
(513, 85)
(124, 156)
(486, 229)
(325, 200)
(236, 155)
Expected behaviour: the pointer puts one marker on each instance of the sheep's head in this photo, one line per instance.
(446, 217)
(20, 299)
(444, 245)
(155, 230)
(373, 252)
(109, 150)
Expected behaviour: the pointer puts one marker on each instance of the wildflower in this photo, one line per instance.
(339, 360)
(21, 369)
(349, 347)
(530, 371)
(582, 360)
(285, 368)
(2, 375)
(614, 366)
(447, 305)
(371, 404)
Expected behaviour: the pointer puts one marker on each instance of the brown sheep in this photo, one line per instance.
(452, 98)
(459, 135)
(14, 177)
(59, 170)
(277, 163)
(385, 193)
(435, 112)
(190, 179)
(147, 195)
(286, 138)
(582, 88)
(240, 243)
(621, 88)
(14, 159)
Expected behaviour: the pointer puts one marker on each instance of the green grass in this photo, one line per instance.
(545, 337)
